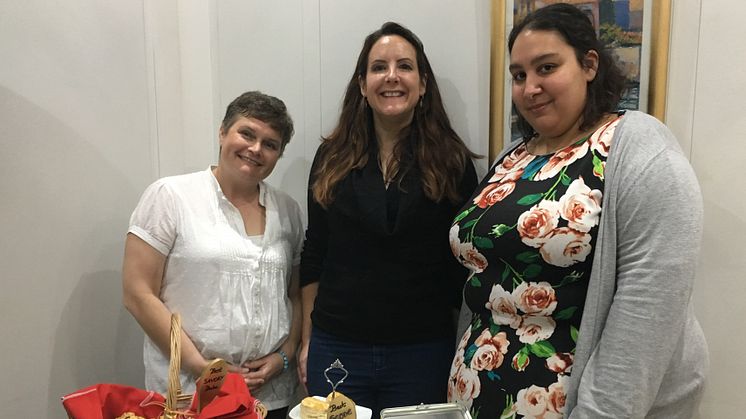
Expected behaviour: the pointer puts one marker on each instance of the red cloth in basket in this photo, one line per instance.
(110, 401)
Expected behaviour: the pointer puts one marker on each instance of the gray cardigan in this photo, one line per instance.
(640, 351)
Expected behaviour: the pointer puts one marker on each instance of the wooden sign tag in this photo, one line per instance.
(210, 381)
(340, 406)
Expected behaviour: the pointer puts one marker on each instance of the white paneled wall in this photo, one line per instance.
(98, 99)
(705, 93)
(718, 154)
(76, 153)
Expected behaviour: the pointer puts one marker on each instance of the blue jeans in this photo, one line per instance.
(381, 376)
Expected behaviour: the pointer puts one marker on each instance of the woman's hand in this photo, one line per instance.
(259, 371)
(238, 370)
(302, 363)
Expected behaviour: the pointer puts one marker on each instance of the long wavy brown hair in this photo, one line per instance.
(435, 148)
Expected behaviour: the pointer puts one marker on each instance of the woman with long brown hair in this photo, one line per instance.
(384, 187)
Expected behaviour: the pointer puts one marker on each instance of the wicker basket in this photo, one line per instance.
(177, 403)
(105, 400)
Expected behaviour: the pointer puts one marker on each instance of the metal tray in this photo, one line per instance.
(429, 411)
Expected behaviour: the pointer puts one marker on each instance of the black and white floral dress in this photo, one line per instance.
(528, 238)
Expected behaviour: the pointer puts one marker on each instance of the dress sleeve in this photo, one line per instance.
(317, 235)
(658, 214)
(154, 218)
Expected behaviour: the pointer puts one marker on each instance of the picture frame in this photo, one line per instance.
(653, 65)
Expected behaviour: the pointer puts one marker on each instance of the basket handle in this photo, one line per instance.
(174, 365)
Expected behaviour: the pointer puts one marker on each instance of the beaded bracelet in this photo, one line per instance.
(285, 363)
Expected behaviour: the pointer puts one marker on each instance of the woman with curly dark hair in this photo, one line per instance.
(582, 242)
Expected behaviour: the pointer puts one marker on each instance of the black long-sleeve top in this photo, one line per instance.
(382, 258)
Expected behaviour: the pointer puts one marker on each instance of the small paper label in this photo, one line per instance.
(340, 406)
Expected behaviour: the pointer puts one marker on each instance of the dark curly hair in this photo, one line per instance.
(605, 90)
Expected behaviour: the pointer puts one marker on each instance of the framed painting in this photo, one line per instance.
(636, 31)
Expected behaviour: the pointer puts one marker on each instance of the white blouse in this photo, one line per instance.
(230, 288)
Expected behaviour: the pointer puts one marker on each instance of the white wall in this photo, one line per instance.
(706, 92)
(97, 99)
(76, 153)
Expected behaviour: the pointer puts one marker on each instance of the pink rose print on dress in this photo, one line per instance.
(600, 141)
(512, 165)
(535, 298)
(535, 224)
(540, 403)
(535, 328)
(466, 253)
(464, 386)
(472, 259)
(560, 159)
(561, 363)
(565, 246)
(504, 311)
(490, 352)
(532, 402)
(454, 240)
(581, 206)
(557, 397)
(493, 192)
